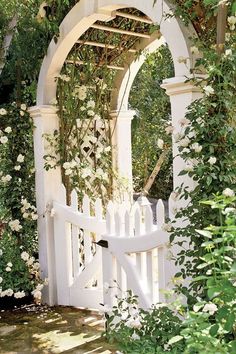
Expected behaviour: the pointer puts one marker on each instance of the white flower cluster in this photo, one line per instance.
(9, 267)
(19, 160)
(23, 108)
(6, 178)
(15, 225)
(28, 210)
(232, 22)
(37, 292)
(10, 292)
(31, 263)
(69, 166)
(3, 112)
(80, 92)
(227, 192)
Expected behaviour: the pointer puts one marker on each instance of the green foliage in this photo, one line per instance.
(207, 327)
(207, 145)
(152, 107)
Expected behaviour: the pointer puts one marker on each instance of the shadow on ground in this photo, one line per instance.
(41, 329)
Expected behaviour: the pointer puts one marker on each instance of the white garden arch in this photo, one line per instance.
(83, 15)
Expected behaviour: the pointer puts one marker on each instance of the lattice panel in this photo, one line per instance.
(91, 149)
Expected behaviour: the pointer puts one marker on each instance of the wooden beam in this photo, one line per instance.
(104, 45)
(81, 62)
(133, 17)
(118, 30)
(221, 27)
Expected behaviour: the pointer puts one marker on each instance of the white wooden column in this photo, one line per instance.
(47, 189)
(181, 94)
(122, 148)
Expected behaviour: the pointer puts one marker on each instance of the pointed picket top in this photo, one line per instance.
(118, 223)
(86, 205)
(137, 221)
(160, 213)
(98, 208)
(74, 200)
(148, 221)
(62, 194)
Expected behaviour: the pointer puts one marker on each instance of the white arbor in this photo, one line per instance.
(83, 16)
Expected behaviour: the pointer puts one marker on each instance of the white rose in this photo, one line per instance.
(23, 107)
(194, 50)
(196, 147)
(17, 167)
(9, 292)
(1, 279)
(15, 225)
(90, 113)
(8, 130)
(6, 178)
(232, 22)
(209, 90)
(8, 269)
(211, 308)
(9, 264)
(3, 111)
(184, 142)
(169, 129)
(20, 158)
(227, 192)
(212, 160)
(66, 165)
(22, 113)
(228, 52)
(3, 139)
(34, 216)
(160, 143)
(90, 104)
(19, 294)
(25, 256)
(68, 171)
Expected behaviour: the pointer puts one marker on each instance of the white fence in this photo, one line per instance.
(132, 252)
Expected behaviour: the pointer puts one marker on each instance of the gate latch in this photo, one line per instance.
(102, 243)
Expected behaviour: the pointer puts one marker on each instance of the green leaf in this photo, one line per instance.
(175, 340)
(201, 277)
(233, 268)
(214, 330)
(204, 233)
(213, 292)
(229, 322)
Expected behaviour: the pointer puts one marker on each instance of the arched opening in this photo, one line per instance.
(151, 126)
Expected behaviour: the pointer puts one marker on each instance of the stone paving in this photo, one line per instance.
(41, 329)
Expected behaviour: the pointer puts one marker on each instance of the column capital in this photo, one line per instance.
(123, 115)
(42, 110)
(179, 85)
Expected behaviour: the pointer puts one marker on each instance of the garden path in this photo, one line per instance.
(41, 329)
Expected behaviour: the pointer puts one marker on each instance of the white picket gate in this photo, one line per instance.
(134, 253)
